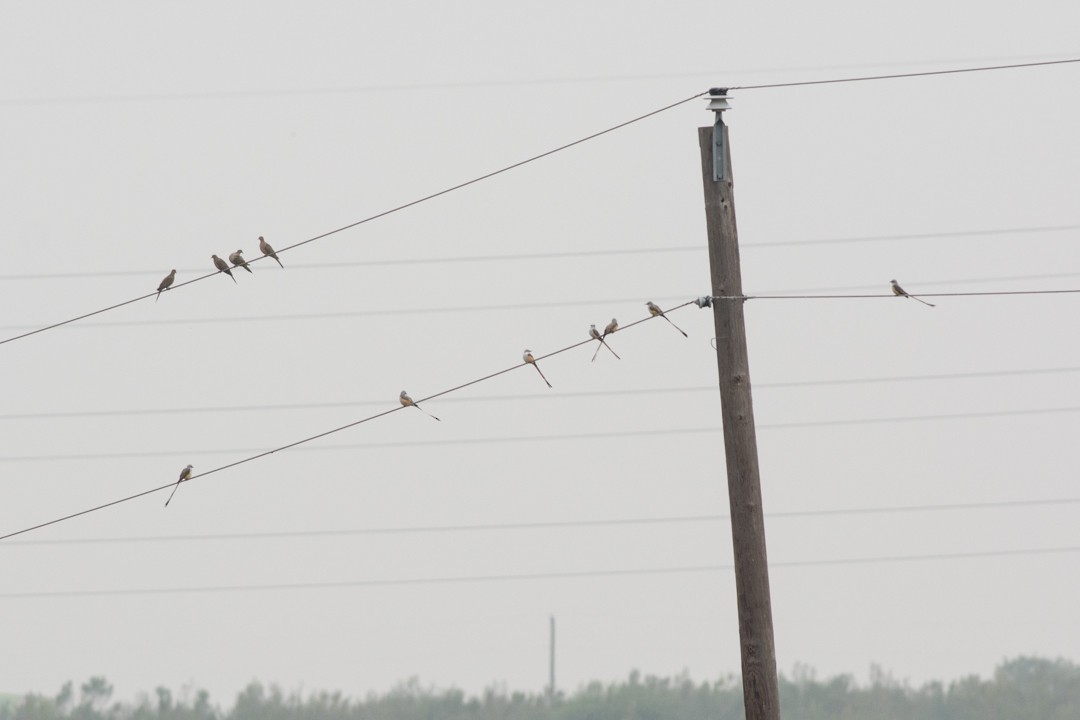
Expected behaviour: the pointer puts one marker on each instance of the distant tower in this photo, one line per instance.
(551, 664)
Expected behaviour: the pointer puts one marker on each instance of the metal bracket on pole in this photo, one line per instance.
(718, 103)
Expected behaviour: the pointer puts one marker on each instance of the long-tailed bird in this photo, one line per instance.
(595, 335)
(222, 266)
(527, 356)
(897, 290)
(184, 475)
(407, 401)
(237, 259)
(608, 329)
(164, 284)
(267, 250)
(655, 311)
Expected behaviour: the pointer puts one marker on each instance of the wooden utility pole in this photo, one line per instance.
(760, 688)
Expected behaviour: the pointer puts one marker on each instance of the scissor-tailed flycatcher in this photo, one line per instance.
(164, 284)
(608, 329)
(237, 259)
(655, 311)
(184, 475)
(222, 266)
(528, 357)
(897, 290)
(407, 401)
(267, 250)
(595, 335)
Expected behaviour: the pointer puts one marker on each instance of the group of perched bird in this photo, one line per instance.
(404, 398)
(237, 260)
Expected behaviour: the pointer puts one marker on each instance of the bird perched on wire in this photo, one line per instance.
(407, 401)
(655, 311)
(184, 475)
(527, 356)
(165, 283)
(222, 266)
(237, 259)
(265, 248)
(595, 335)
(901, 292)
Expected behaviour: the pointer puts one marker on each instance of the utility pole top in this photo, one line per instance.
(718, 103)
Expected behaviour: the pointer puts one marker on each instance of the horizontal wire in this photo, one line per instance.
(952, 235)
(502, 307)
(333, 431)
(469, 84)
(920, 283)
(548, 525)
(381, 263)
(463, 84)
(578, 254)
(545, 396)
(988, 293)
(370, 218)
(514, 307)
(564, 437)
(566, 575)
(927, 73)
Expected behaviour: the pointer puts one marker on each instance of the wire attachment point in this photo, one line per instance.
(704, 301)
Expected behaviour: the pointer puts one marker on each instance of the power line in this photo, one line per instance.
(953, 235)
(546, 525)
(989, 293)
(926, 73)
(502, 307)
(384, 213)
(917, 418)
(291, 445)
(577, 254)
(923, 283)
(563, 437)
(515, 307)
(455, 85)
(363, 446)
(516, 577)
(545, 396)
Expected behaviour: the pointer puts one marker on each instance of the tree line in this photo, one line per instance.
(1019, 689)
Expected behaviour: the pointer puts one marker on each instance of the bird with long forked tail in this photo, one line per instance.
(527, 356)
(901, 292)
(407, 401)
(655, 311)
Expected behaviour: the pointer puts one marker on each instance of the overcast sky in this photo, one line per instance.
(142, 137)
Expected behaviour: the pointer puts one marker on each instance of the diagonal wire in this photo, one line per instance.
(267, 453)
(384, 213)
